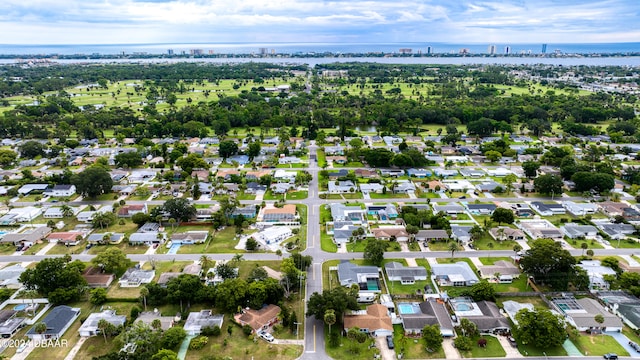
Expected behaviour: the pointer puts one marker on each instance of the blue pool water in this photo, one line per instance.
(463, 307)
(372, 285)
(173, 249)
(20, 307)
(405, 308)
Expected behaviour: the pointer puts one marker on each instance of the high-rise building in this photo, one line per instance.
(263, 51)
(170, 52)
(429, 50)
(492, 49)
(196, 52)
(507, 50)
(544, 48)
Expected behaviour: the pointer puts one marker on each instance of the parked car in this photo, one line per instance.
(390, 344)
(22, 347)
(610, 356)
(635, 346)
(266, 336)
(512, 341)
(19, 248)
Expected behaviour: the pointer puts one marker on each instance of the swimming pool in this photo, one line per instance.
(20, 307)
(463, 307)
(406, 308)
(372, 284)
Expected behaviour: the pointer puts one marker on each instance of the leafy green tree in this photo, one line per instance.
(7, 157)
(468, 328)
(503, 215)
(32, 149)
(103, 219)
(183, 288)
(463, 343)
(253, 149)
(93, 181)
(540, 329)
(330, 318)
(190, 162)
(165, 354)
(227, 148)
(586, 181)
(453, 247)
(530, 168)
(98, 296)
(112, 260)
(550, 264)
(59, 277)
(129, 159)
(482, 290)
(337, 299)
(172, 337)
(548, 184)
(432, 337)
(374, 251)
(140, 218)
(176, 208)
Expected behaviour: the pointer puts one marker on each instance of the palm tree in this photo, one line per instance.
(156, 324)
(584, 247)
(453, 247)
(205, 262)
(330, 318)
(40, 328)
(172, 222)
(67, 211)
(104, 327)
(144, 292)
(237, 258)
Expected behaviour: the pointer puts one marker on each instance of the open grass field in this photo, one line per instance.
(593, 345)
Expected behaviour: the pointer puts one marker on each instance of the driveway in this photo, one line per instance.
(385, 352)
(624, 342)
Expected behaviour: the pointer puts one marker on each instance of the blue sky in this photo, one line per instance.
(342, 21)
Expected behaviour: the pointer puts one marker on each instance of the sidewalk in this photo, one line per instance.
(450, 352)
(74, 350)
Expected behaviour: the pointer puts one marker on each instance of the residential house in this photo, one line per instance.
(596, 272)
(415, 316)
(407, 275)
(66, 238)
(341, 212)
(434, 186)
(391, 172)
(548, 209)
(624, 305)
(135, 277)
(342, 187)
(445, 173)
(419, 173)
(254, 187)
(282, 188)
(53, 213)
(283, 176)
(612, 209)
(334, 175)
(403, 187)
(631, 214)
(512, 308)
(472, 173)
(146, 238)
(458, 185)
(259, 319)
(499, 172)
(150, 227)
(27, 238)
(9, 323)
(480, 209)
(90, 326)
(399, 233)
(502, 233)
(10, 276)
(105, 238)
(166, 322)
(458, 274)
(485, 314)
(500, 268)
(580, 209)
(127, 211)
(367, 277)
(366, 174)
(461, 233)
(227, 174)
(248, 212)
(432, 235)
(289, 160)
(334, 150)
(342, 232)
(284, 215)
(371, 188)
(61, 191)
(273, 235)
(581, 314)
(540, 228)
(578, 231)
(375, 320)
(32, 188)
(449, 209)
(57, 321)
(617, 231)
(96, 278)
(488, 186)
(190, 237)
(387, 212)
(196, 321)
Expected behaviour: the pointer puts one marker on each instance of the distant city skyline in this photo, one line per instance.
(346, 21)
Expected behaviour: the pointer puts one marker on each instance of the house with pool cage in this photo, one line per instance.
(366, 277)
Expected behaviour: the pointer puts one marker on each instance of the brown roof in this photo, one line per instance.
(33, 236)
(286, 209)
(258, 318)
(64, 236)
(95, 278)
(223, 173)
(389, 232)
(259, 174)
(376, 318)
(366, 173)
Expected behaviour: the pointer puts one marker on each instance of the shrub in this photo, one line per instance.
(463, 343)
(199, 342)
(211, 331)
(246, 329)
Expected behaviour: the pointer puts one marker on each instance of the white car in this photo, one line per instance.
(266, 336)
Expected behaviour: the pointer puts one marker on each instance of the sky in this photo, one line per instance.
(33, 22)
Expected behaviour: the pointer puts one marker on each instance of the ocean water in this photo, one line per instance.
(315, 48)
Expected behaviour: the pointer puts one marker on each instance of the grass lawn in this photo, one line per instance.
(239, 346)
(326, 242)
(518, 285)
(344, 196)
(493, 349)
(269, 195)
(591, 244)
(7, 249)
(126, 248)
(359, 246)
(454, 260)
(628, 332)
(302, 234)
(536, 301)
(486, 239)
(624, 244)
(388, 195)
(224, 241)
(528, 350)
(412, 347)
(297, 195)
(440, 246)
(115, 291)
(396, 287)
(349, 349)
(492, 260)
(60, 249)
(599, 345)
